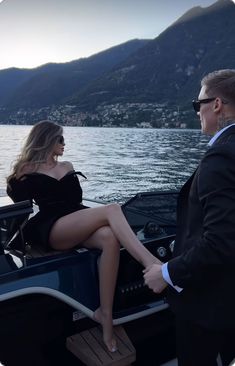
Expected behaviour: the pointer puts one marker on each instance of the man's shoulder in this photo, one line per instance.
(224, 145)
(227, 136)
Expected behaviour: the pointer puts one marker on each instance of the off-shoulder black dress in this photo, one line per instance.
(55, 198)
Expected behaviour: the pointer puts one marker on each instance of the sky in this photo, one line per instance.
(35, 32)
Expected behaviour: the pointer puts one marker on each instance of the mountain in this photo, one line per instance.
(52, 83)
(169, 68)
(10, 80)
(139, 83)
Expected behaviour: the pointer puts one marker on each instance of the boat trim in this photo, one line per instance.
(78, 306)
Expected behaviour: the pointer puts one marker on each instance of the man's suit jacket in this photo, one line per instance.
(203, 261)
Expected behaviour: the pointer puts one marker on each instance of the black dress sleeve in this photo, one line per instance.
(17, 190)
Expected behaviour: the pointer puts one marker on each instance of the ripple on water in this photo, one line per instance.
(118, 162)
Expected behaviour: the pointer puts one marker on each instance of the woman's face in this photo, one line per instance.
(59, 146)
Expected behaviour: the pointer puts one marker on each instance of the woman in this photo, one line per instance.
(63, 222)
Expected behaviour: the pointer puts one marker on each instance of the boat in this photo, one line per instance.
(47, 297)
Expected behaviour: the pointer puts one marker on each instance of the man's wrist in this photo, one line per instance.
(166, 277)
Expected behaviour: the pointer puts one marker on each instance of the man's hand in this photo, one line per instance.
(153, 278)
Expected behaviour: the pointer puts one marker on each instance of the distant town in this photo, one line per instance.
(142, 115)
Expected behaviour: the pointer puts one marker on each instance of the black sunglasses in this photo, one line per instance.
(197, 103)
(61, 139)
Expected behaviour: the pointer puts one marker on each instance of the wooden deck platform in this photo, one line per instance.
(89, 347)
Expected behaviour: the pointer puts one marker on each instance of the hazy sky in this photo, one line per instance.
(34, 32)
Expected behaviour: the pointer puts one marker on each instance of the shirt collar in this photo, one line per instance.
(216, 136)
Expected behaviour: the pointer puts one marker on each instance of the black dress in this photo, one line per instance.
(55, 198)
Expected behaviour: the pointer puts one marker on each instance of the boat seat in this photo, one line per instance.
(13, 217)
(37, 252)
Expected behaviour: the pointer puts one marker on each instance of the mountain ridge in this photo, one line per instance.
(151, 67)
(147, 84)
(41, 86)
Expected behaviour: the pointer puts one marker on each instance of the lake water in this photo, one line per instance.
(118, 162)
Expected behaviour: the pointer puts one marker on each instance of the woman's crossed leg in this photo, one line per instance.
(103, 228)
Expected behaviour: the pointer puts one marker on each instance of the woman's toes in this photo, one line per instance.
(112, 346)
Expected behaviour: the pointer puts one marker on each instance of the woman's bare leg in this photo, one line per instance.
(78, 226)
(108, 268)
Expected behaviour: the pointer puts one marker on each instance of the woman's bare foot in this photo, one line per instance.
(107, 324)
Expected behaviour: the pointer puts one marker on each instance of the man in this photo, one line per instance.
(201, 274)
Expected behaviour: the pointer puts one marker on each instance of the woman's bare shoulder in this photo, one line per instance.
(66, 165)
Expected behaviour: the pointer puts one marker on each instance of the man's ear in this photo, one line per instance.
(217, 105)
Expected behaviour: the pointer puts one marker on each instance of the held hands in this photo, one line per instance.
(154, 279)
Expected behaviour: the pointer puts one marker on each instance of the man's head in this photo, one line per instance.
(216, 101)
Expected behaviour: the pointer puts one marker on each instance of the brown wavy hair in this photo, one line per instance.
(37, 147)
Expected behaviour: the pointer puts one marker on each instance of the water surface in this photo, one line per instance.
(118, 162)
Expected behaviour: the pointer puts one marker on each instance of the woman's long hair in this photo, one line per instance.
(37, 147)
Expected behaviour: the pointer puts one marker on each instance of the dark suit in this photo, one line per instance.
(204, 253)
